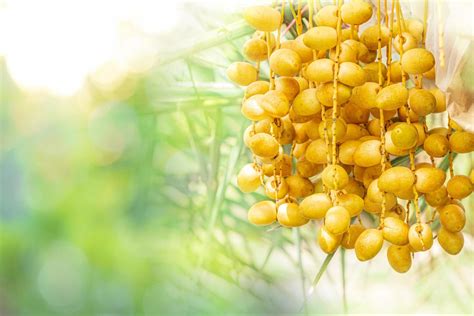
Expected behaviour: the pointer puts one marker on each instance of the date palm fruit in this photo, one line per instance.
(320, 38)
(306, 103)
(335, 177)
(262, 18)
(337, 220)
(436, 145)
(285, 62)
(408, 42)
(368, 244)
(372, 72)
(452, 217)
(289, 86)
(320, 70)
(248, 178)
(440, 100)
(396, 179)
(255, 49)
(346, 151)
(391, 148)
(276, 188)
(297, 45)
(356, 12)
(392, 97)
(298, 186)
(315, 206)
(347, 53)
(420, 237)
(307, 169)
(351, 113)
(351, 74)
(370, 35)
(327, 241)
(242, 73)
(438, 197)
(264, 145)
(429, 179)
(461, 142)
(422, 101)
(311, 128)
(368, 154)
(283, 164)
(404, 136)
(405, 112)
(399, 258)
(364, 96)
(256, 87)
(397, 212)
(375, 195)
(459, 187)
(325, 91)
(395, 231)
(262, 213)
(430, 74)
(252, 109)
(417, 61)
(396, 72)
(351, 202)
(300, 133)
(349, 238)
(316, 151)
(275, 103)
(327, 16)
(340, 128)
(288, 215)
(451, 242)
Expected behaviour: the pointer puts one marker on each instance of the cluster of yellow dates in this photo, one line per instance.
(329, 120)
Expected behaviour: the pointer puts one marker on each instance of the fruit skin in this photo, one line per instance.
(429, 179)
(320, 70)
(248, 178)
(298, 186)
(369, 37)
(320, 38)
(395, 231)
(324, 92)
(285, 62)
(306, 103)
(262, 18)
(335, 177)
(436, 145)
(451, 242)
(420, 237)
(288, 215)
(408, 40)
(368, 244)
(327, 16)
(368, 154)
(364, 96)
(262, 213)
(351, 74)
(416, 61)
(300, 48)
(275, 103)
(337, 220)
(316, 151)
(438, 197)
(271, 188)
(440, 100)
(327, 241)
(392, 97)
(452, 217)
(461, 142)
(396, 179)
(255, 49)
(257, 87)
(349, 238)
(356, 12)
(459, 187)
(315, 206)
(404, 136)
(399, 258)
(422, 101)
(289, 86)
(242, 73)
(264, 145)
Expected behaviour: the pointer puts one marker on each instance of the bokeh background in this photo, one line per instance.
(120, 141)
